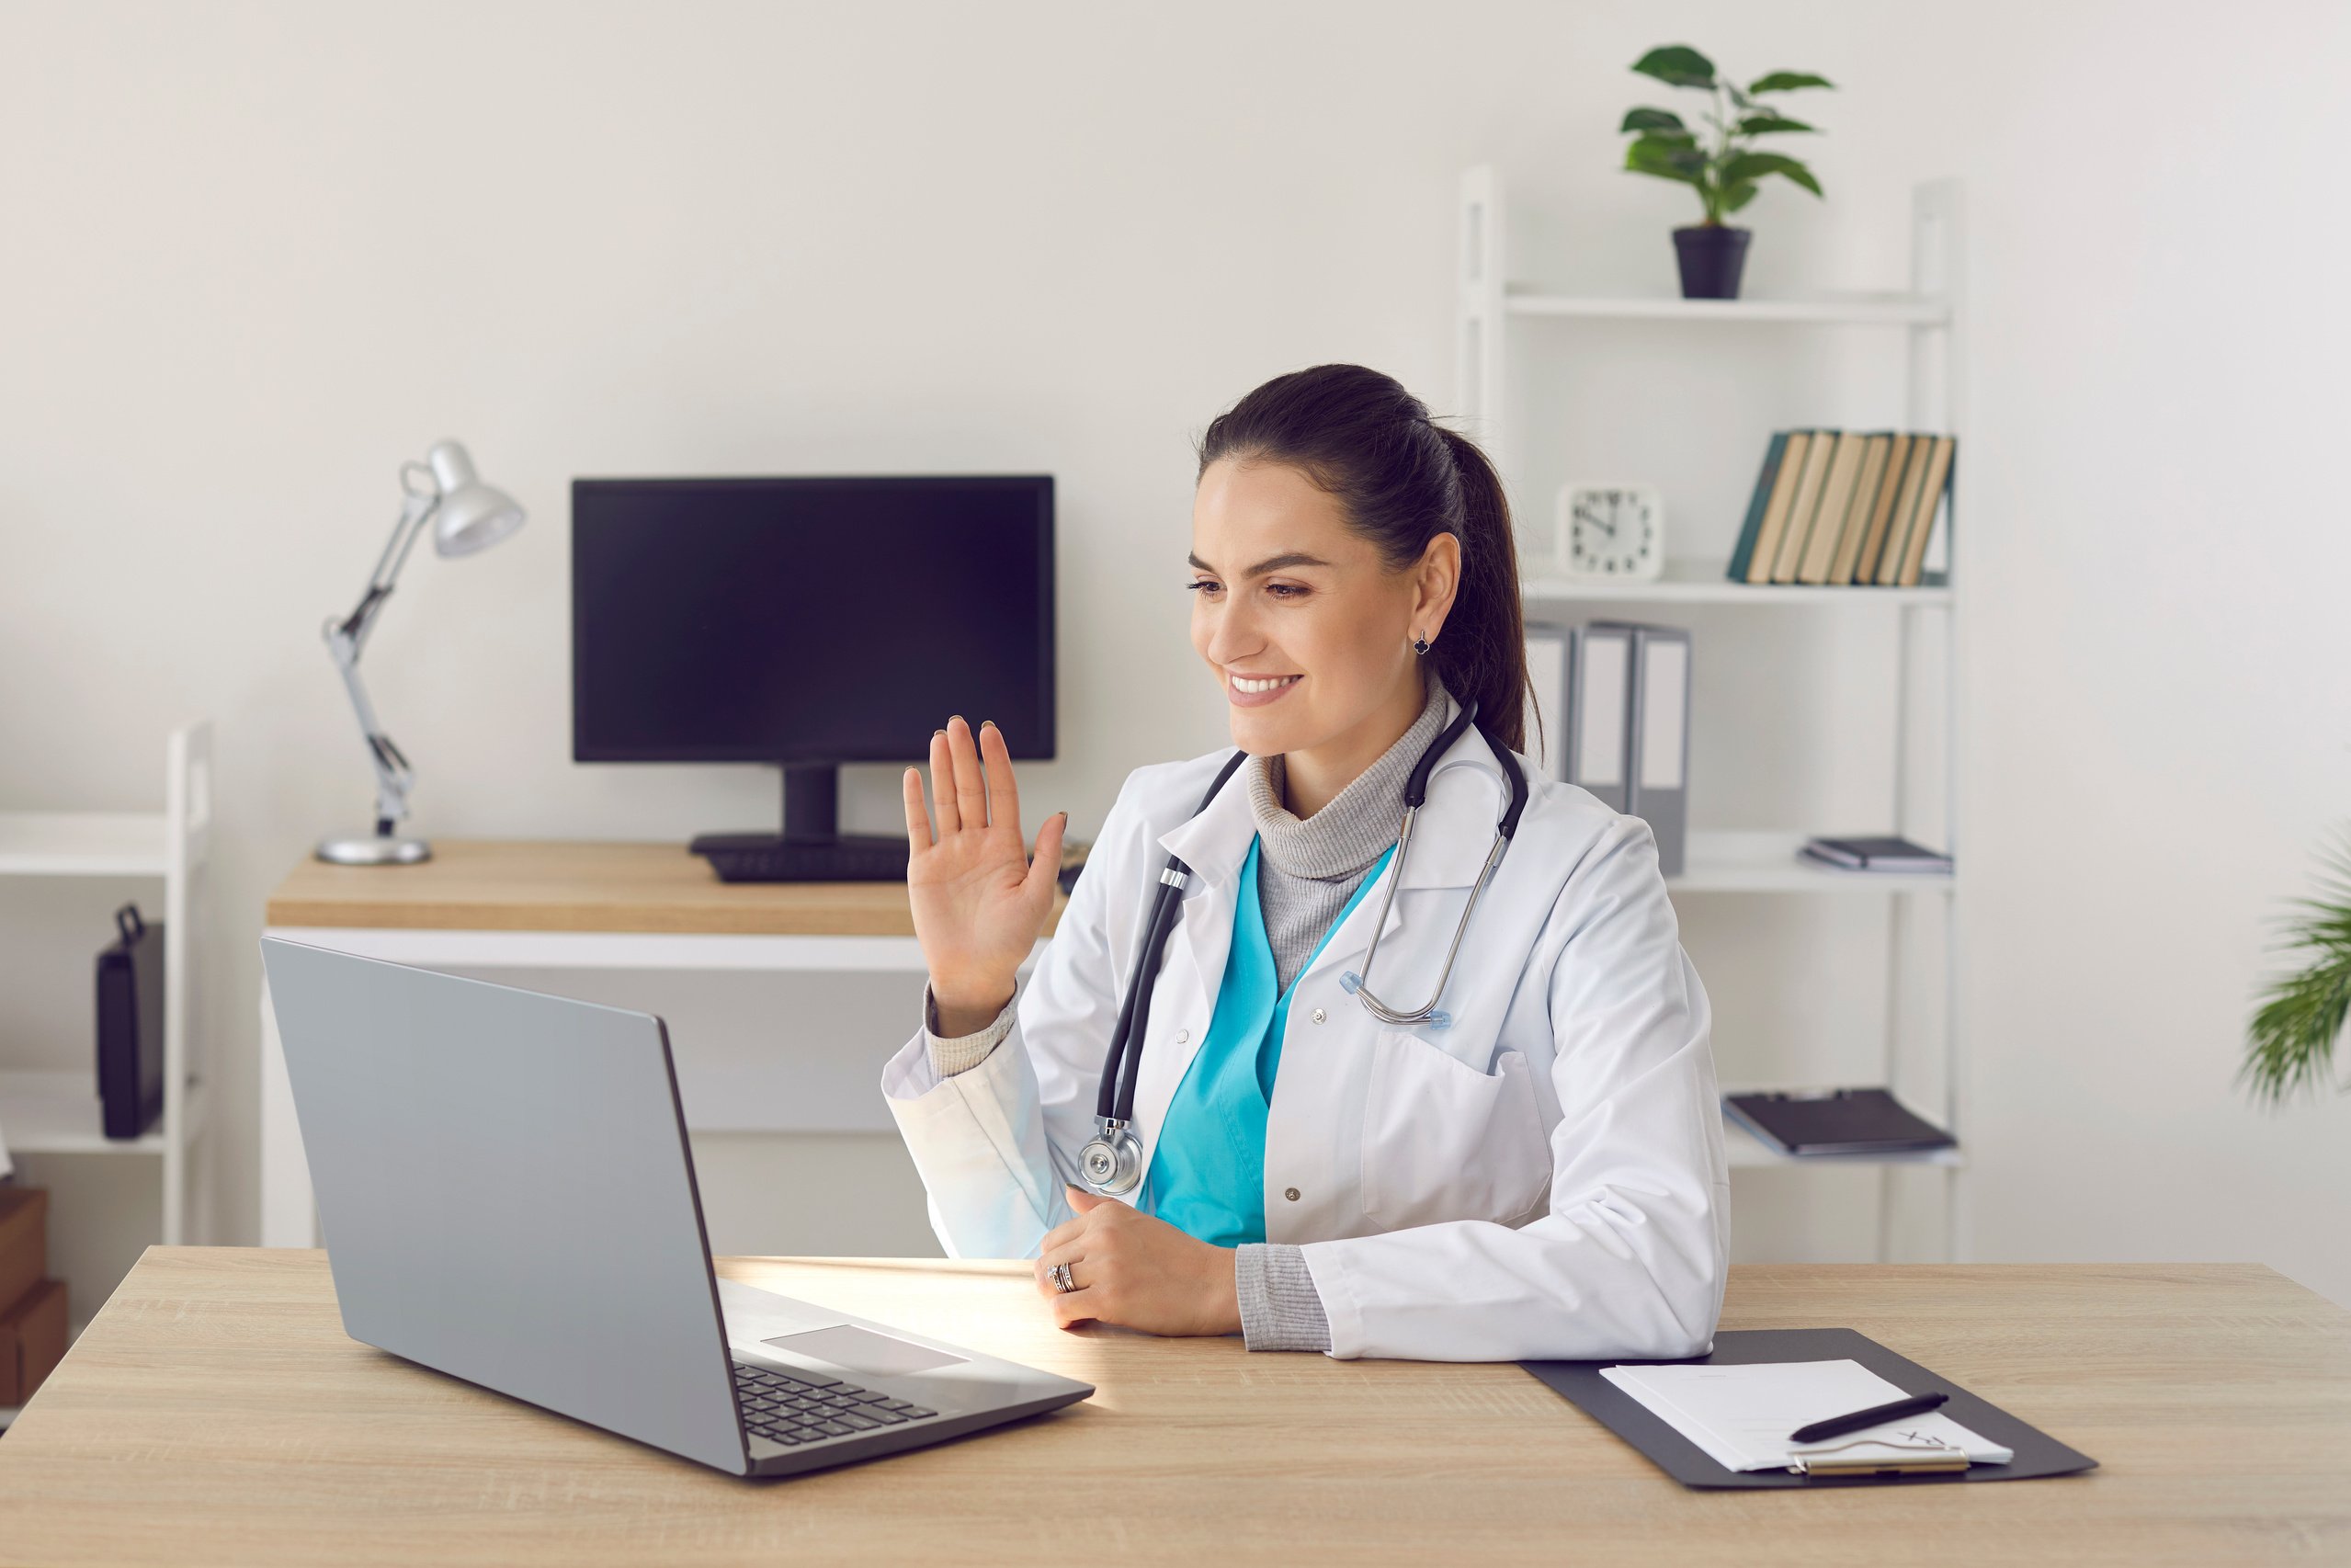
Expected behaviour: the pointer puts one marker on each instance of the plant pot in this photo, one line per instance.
(1711, 255)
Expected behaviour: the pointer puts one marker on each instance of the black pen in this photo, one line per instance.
(1838, 1425)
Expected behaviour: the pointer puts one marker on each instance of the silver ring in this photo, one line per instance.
(1062, 1279)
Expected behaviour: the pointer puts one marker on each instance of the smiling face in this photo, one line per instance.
(1301, 623)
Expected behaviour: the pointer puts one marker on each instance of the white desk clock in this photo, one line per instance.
(1612, 532)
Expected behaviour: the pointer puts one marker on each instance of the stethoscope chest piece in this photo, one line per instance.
(1111, 1161)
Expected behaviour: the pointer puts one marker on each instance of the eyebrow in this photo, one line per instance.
(1271, 563)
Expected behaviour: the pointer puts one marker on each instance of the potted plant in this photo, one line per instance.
(1723, 167)
(2290, 1043)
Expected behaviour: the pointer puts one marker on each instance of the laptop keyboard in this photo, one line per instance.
(796, 1408)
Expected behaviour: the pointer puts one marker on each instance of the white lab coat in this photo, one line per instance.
(1544, 1177)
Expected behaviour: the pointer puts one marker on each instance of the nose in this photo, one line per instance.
(1233, 634)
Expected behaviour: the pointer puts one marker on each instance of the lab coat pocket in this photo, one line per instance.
(1442, 1140)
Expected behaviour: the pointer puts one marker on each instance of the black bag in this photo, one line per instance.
(131, 1027)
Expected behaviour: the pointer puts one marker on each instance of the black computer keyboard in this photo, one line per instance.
(795, 1408)
(746, 858)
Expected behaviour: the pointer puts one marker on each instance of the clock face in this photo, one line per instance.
(1612, 531)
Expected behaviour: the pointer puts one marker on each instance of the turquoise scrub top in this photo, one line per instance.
(1208, 1175)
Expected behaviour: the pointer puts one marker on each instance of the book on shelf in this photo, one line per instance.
(1837, 500)
(1882, 854)
(1838, 508)
(1766, 482)
(1867, 483)
(1881, 512)
(1759, 543)
(1808, 486)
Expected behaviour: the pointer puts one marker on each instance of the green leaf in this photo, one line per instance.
(1738, 196)
(1750, 167)
(1786, 82)
(1677, 65)
(1666, 159)
(2290, 1046)
(1764, 124)
(1652, 119)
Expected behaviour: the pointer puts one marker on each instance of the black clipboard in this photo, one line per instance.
(1581, 1384)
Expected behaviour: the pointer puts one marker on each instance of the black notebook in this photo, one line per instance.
(131, 1027)
(1835, 1121)
(1874, 855)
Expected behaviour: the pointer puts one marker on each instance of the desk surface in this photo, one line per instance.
(581, 885)
(213, 1412)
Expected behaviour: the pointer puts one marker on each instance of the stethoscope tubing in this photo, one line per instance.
(1115, 1097)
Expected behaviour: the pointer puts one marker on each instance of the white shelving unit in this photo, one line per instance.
(1929, 320)
(47, 1111)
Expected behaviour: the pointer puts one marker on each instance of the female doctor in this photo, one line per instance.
(1439, 1092)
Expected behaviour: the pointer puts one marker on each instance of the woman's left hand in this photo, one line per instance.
(1137, 1272)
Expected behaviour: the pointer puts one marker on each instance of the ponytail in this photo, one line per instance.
(1483, 652)
(1402, 478)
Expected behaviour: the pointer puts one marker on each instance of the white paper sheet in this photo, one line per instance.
(1741, 1415)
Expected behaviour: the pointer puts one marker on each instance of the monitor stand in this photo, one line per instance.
(811, 849)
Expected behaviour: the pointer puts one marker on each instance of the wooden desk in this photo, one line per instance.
(520, 909)
(214, 1413)
(489, 886)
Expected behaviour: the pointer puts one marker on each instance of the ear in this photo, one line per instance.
(1437, 581)
(1084, 1202)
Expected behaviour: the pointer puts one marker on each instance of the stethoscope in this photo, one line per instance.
(1112, 1161)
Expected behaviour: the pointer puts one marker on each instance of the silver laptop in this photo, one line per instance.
(507, 1196)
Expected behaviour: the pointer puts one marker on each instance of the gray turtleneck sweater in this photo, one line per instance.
(1307, 870)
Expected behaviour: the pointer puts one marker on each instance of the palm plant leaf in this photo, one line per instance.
(2290, 1046)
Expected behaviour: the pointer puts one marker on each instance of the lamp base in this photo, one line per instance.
(374, 849)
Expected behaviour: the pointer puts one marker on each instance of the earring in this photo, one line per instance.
(1420, 644)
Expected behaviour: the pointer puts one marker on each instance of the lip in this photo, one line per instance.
(1240, 698)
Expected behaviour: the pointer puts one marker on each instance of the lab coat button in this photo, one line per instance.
(1291, 1193)
(1182, 1035)
(1320, 1015)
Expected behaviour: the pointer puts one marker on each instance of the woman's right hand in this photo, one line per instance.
(979, 900)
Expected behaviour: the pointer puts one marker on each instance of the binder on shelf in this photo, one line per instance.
(1546, 697)
(1657, 738)
(1599, 708)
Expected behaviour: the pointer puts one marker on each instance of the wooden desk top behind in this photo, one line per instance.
(213, 1412)
(581, 885)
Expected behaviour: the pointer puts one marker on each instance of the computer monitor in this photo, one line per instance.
(808, 622)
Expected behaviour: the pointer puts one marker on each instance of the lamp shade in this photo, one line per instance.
(472, 515)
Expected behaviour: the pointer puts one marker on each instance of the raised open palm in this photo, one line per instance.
(979, 900)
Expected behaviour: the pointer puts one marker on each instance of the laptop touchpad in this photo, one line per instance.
(862, 1350)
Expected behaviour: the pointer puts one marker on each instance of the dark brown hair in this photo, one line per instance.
(1402, 478)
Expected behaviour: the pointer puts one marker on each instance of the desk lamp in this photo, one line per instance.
(467, 516)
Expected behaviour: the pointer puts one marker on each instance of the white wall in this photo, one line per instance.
(257, 255)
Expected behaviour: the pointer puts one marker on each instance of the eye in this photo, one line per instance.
(1286, 590)
(1203, 586)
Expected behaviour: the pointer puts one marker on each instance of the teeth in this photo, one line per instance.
(1242, 683)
